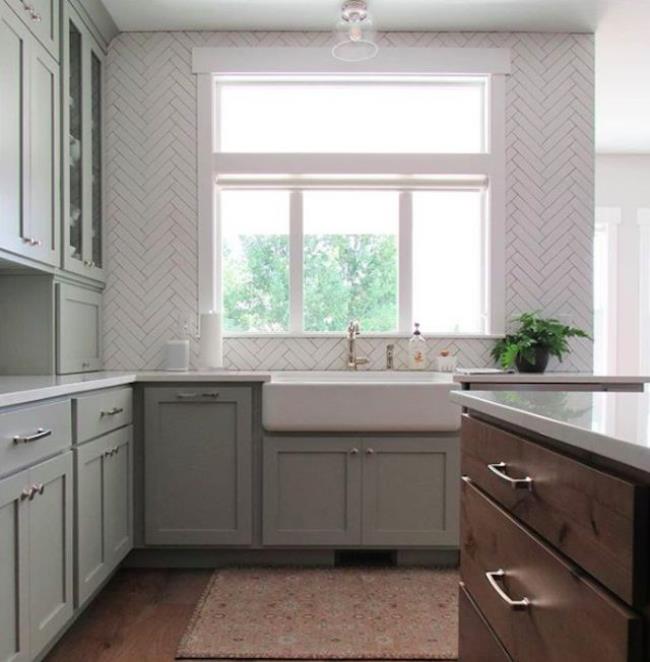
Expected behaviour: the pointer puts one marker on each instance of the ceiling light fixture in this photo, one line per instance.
(354, 37)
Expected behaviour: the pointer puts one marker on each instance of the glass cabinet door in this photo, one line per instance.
(96, 137)
(83, 205)
(75, 154)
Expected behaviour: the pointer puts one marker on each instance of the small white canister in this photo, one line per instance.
(177, 355)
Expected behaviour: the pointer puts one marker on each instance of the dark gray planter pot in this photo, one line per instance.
(541, 361)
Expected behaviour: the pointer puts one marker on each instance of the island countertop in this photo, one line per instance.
(613, 425)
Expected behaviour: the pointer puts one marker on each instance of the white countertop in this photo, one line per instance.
(612, 425)
(551, 378)
(16, 390)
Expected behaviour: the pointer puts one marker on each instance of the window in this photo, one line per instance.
(356, 116)
(352, 197)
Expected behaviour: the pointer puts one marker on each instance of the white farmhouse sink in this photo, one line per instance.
(362, 401)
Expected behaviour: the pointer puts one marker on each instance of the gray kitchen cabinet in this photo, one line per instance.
(35, 557)
(104, 518)
(50, 551)
(312, 491)
(198, 465)
(79, 329)
(411, 492)
(351, 491)
(14, 616)
(42, 18)
(30, 144)
(82, 155)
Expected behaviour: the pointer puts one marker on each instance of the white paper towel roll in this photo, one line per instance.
(211, 341)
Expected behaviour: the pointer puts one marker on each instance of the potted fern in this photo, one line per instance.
(536, 339)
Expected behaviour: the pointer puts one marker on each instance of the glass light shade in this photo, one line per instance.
(354, 38)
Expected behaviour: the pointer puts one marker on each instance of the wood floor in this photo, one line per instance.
(139, 617)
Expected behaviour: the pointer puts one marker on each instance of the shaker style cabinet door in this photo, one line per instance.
(411, 491)
(50, 551)
(29, 143)
(42, 17)
(198, 464)
(104, 508)
(14, 84)
(14, 572)
(312, 491)
(78, 329)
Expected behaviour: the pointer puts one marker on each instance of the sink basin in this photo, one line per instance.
(362, 401)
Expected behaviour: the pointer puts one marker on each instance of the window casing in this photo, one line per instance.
(415, 180)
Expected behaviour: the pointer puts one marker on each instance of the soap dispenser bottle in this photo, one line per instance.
(417, 350)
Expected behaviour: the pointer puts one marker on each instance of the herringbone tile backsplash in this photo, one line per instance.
(151, 194)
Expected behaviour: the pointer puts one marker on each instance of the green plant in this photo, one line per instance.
(535, 333)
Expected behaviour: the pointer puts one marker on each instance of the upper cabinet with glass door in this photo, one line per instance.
(82, 129)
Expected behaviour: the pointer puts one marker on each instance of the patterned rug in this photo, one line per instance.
(321, 614)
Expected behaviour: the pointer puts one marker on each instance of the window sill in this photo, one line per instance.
(378, 336)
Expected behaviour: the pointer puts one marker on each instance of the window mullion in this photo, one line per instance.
(296, 262)
(405, 261)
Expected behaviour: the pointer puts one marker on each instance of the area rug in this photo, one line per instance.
(321, 614)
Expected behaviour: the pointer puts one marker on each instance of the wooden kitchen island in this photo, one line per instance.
(554, 526)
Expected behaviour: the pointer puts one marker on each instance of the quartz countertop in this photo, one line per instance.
(612, 425)
(16, 390)
(550, 378)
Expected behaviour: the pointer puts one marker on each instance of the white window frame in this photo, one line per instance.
(424, 170)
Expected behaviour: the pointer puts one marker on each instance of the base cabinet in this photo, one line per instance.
(198, 466)
(381, 491)
(36, 562)
(104, 508)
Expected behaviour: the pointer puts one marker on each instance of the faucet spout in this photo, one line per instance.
(354, 361)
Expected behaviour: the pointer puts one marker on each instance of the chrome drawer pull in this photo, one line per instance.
(516, 605)
(40, 433)
(209, 395)
(354, 451)
(187, 396)
(111, 412)
(499, 469)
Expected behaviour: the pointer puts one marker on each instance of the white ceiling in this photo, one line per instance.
(622, 27)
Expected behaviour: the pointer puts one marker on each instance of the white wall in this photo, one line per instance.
(623, 183)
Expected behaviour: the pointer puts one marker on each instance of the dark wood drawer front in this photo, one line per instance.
(477, 642)
(568, 617)
(587, 514)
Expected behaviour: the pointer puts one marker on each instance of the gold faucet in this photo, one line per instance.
(353, 333)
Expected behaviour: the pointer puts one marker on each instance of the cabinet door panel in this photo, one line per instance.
(13, 570)
(410, 491)
(43, 181)
(198, 466)
(92, 565)
(50, 551)
(14, 64)
(118, 489)
(312, 491)
(79, 327)
(42, 19)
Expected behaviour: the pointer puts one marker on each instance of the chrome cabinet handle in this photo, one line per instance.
(370, 451)
(40, 488)
(26, 493)
(493, 578)
(354, 451)
(499, 470)
(89, 263)
(112, 451)
(111, 412)
(37, 488)
(40, 433)
(31, 241)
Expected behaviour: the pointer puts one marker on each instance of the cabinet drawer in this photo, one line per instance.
(541, 607)
(99, 413)
(476, 641)
(30, 434)
(42, 17)
(586, 513)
